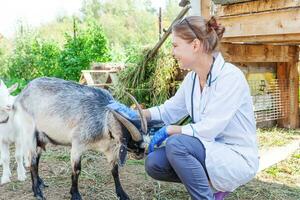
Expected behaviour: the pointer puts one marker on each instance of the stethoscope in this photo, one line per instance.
(193, 88)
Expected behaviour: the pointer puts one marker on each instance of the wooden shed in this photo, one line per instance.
(264, 33)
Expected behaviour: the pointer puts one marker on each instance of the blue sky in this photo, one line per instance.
(35, 12)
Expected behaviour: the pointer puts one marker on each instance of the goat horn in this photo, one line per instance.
(134, 132)
(143, 118)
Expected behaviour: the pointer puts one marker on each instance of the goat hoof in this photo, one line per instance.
(41, 183)
(124, 196)
(76, 196)
(5, 180)
(22, 177)
(40, 198)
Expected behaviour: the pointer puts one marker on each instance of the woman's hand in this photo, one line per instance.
(161, 135)
(158, 138)
(123, 109)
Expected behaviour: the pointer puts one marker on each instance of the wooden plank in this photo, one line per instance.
(87, 76)
(282, 76)
(225, 2)
(257, 53)
(280, 26)
(289, 72)
(294, 90)
(288, 39)
(256, 6)
(205, 8)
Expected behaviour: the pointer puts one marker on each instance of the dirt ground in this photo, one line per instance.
(96, 181)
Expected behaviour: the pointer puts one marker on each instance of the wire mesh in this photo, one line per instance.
(270, 99)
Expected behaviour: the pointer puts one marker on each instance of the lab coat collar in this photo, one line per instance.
(217, 67)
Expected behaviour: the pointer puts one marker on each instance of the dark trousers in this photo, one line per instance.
(182, 160)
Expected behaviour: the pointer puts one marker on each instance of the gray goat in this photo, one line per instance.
(66, 113)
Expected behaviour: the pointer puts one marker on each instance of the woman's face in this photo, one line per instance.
(184, 52)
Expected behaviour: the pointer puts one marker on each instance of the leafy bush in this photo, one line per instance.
(88, 45)
(32, 58)
(35, 57)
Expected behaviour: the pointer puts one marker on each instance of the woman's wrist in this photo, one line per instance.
(173, 129)
(147, 114)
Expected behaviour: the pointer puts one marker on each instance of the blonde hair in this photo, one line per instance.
(209, 32)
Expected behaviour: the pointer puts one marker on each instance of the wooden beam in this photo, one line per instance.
(288, 76)
(275, 26)
(258, 53)
(294, 92)
(205, 8)
(256, 6)
(293, 39)
(282, 76)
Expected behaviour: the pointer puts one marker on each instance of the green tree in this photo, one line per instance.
(88, 45)
(128, 23)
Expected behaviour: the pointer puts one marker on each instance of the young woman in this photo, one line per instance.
(218, 150)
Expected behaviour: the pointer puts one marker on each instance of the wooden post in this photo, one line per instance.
(294, 90)
(282, 76)
(287, 74)
(205, 8)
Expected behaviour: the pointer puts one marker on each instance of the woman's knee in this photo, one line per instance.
(174, 146)
(154, 165)
(182, 145)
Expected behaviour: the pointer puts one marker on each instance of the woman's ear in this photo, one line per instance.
(197, 45)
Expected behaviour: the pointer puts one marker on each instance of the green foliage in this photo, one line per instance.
(276, 137)
(56, 30)
(88, 45)
(32, 58)
(2, 66)
(128, 23)
(5, 50)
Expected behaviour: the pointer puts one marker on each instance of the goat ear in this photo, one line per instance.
(134, 132)
(13, 87)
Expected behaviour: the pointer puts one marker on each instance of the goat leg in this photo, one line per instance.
(5, 162)
(41, 182)
(76, 153)
(40, 147)
(37, 190)
(19, 155)
(119, 190)
(75, 175)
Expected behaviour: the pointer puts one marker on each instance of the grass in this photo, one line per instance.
(279, 182)
(276, 137)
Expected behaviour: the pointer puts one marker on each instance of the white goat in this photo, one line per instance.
(9, 134)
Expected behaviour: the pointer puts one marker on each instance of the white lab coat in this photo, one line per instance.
(224, 123)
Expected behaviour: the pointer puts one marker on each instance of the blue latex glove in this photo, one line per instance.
(123, 109)
(158, 138)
